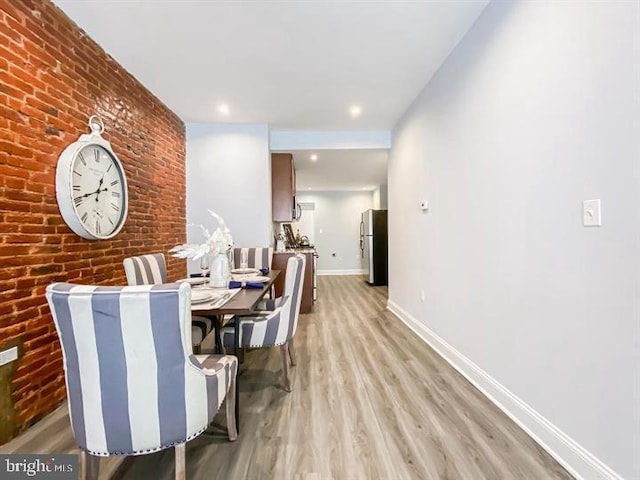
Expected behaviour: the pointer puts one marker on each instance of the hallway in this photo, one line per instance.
(370, 401)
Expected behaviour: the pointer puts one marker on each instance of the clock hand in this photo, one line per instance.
(97, 192)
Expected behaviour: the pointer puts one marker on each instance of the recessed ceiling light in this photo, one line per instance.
(314, 157)
(308, 188)
(355, 111)
(223, 109)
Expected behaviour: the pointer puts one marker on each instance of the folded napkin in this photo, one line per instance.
(264, 271)
(236, 284)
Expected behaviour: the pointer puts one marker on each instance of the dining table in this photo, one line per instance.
(237, 302)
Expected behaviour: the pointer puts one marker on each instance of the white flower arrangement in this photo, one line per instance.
(218, 242)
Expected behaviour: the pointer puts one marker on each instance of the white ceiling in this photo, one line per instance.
(294, 65)
(340, 169)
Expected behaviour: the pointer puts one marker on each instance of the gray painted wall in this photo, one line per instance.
(380, 198)
(229, 172)
(337, 228)
(535, 111)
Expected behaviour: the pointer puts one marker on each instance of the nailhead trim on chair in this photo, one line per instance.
(110, 336)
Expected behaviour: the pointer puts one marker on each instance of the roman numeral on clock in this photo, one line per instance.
(96, 154)
(81, 157)
(115, 182)
(84, 217)
(115, 207)
(78, 200)
(97, 226)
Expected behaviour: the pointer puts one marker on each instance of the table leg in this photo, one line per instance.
(217, 321)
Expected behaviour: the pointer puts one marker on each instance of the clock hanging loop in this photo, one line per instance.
(96, 124)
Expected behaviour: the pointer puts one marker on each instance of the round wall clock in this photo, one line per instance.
(91, 187)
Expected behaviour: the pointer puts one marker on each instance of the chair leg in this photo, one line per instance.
(236, 351)
(285, 366)
(292, 352)
(89, 466)
(231, 411)
(181, 469)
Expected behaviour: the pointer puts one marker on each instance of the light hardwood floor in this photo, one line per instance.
(369, 400)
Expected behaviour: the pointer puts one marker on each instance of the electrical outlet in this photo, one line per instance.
(8, 356)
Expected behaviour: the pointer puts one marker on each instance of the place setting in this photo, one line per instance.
(245, 271)
(207, 298)
(247, 277)
(195, 281)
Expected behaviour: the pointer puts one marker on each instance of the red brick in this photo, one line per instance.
(15, 149)
(9, 56)
(46, 96)
(16, 81)
(11, 182)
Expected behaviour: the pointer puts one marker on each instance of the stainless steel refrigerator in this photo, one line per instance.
(373, 246)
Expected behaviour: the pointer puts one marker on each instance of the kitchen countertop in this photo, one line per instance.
(297, 250)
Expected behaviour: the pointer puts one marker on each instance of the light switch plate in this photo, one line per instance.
(591, 215)
(8, 355)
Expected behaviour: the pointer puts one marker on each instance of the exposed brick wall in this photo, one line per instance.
(52, 78)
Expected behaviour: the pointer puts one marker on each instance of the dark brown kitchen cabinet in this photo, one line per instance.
(283, 187)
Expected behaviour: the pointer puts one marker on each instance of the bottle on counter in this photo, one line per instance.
(298, 237)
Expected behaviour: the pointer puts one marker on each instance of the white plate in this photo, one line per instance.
(194, 280)
(245, 271)
(256, 279)
(200, 296)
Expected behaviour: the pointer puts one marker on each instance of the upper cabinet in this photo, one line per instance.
(283, 187)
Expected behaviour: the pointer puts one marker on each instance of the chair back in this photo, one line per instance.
(279, 326)
(293, 283)
(257, 257)
(131, 381)
(146, 269)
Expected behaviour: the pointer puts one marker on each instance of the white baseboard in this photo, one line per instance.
(578, 461)
(341, 272)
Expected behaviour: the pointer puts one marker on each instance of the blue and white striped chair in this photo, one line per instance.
(133, 384)
(151, 269)
(275, 328)
(256, 257)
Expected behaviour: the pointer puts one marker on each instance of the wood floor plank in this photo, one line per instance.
(369, 400)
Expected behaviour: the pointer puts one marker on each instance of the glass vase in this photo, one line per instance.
(220, 272)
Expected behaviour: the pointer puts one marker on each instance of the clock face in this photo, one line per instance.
(99, 191)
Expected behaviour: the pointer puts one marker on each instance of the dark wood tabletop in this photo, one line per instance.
(243, 302)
